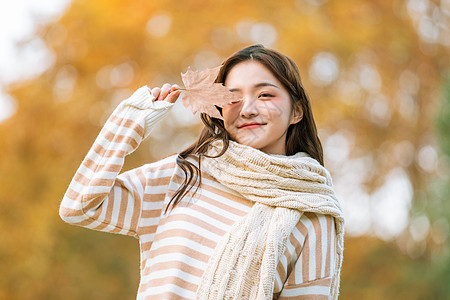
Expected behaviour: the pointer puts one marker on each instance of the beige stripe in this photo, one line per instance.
(84, 223)
(90, 219)
(81, 179)
(85, 181)
(119, 138)
(165, 295)
(90, 164)
(101, 151)
(147, 229)
(221, 205)
(190, 194)
(73, 195)
(154, 198)
(200, 239)
(146, 246)
(296, 247)
(172, 280)
(298, 250)
(174, 265)
(137, 205)
(141, 176)
(70, 212)
(212, 214)
(276, 289)
(125, 197)
(159, 181)
(224, 194)
(152, 213)
(193, 220)
(305, 257)
(106, 206)
(116, 229)
(110, 206)
(179, 179)
(318, 249)
(102, 182)
(323, 282)
(179, 249)
(319, 282)
(128, 124)
(91, 201)
(305, 297)
(95, 217)
(281, 272)
(159, 166)
(130, 195)
(329, 248)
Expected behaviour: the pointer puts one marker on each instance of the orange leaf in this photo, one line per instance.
(203, 94)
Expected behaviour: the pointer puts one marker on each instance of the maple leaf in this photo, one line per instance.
(203, 94)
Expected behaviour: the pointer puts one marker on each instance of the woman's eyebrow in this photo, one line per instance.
(258, 85)
(263, 84)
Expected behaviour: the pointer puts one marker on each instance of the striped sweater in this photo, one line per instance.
(176, 246)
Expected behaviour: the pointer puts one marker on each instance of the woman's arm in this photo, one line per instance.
(310, 278)
(99, 198)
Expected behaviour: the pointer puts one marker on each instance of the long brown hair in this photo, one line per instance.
(300, 137)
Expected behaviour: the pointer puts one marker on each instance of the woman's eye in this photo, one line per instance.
(265, 95)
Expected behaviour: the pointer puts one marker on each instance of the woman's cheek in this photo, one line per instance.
(271, 108)
(226, 119)
(229, 114)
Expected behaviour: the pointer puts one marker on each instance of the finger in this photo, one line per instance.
(173, 96)
(175, 87)
(155, 92)
(165, 89)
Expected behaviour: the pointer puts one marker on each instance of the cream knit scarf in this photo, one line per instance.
(243, 265)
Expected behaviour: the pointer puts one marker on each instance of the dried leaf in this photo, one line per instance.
(203, 94)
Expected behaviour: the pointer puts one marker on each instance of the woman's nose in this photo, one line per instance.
(249, 108)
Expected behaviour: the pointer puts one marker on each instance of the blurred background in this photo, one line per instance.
(377, 73)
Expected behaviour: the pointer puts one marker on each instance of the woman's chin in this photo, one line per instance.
(251, 143)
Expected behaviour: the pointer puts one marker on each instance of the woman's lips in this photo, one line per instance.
(250, 125)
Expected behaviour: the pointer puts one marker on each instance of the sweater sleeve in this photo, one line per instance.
(98, 197)
(310, 277)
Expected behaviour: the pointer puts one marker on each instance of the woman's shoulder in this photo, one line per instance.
(313, 228)
(319, 224)
(166, 165)
(171, 161)
(312, 218)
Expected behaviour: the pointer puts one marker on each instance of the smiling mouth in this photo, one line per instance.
(250, 125)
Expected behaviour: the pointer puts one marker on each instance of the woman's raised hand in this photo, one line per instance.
(167, 92)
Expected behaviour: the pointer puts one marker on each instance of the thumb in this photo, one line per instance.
(173, 96)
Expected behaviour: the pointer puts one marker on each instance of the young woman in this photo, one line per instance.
(247, 212)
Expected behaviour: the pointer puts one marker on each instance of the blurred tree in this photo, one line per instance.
(439, 207)
(377, 64)
(378, 270)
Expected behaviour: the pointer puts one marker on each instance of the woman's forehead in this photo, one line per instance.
(250, 74)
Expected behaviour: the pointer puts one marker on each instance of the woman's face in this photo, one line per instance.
(262, 117)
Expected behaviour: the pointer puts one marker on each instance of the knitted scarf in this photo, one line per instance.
(243, 265)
